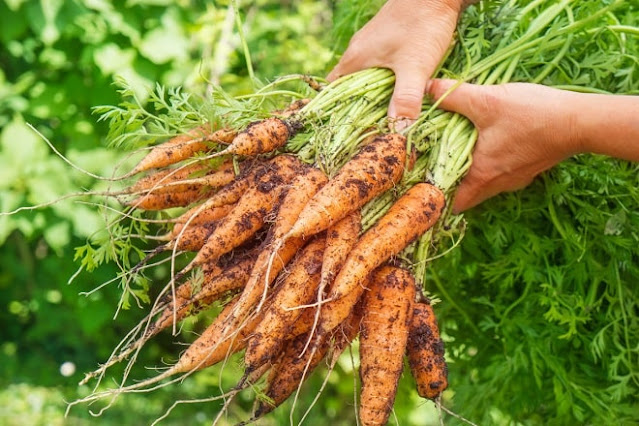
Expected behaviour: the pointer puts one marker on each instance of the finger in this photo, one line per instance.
(461, 99)
(408, 93)
(466, 196)
(350, 62)
(335, 73)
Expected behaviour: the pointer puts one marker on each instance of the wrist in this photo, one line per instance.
(607, 124)
(571, 124)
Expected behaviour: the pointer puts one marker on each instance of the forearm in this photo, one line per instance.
(608, 124)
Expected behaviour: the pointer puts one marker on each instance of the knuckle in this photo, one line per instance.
(488, 99)
(408, 103)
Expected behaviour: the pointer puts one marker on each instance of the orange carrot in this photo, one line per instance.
(387, 313)
(186, 301)
(275, 257)
(376, 168)
(308, 182)
(287, 372)
(335, 311)
(197, 216)
(296, 289)
(262, 276)
(304, 322)
(411, 215)
(168, 200)
(294, 363)
(212, 346)
(340, 240)
(425, 351)
(260, 137)
(249, 213)
(208, 349)
(182, 147)
(191, 238)
(216, 283)
(163, 177)
(212, 180)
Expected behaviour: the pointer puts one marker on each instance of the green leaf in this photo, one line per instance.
(163, 45)
(57, 236)
(21, 145)
(111, 59)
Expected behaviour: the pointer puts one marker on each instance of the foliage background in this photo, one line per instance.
(539, 304)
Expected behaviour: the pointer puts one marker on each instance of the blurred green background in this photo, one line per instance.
(539, 306)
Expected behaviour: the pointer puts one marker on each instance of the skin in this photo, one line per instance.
(524, 129)
(391, 39)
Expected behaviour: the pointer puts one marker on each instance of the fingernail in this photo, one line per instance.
(399, 124)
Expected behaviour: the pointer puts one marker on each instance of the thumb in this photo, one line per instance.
(407, 94)
(339, 70)
(462, 98)
(466, 196)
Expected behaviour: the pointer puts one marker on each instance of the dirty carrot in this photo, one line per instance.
(260, 137)
(377, 167)
(182, 147)
(388, 308)
(425, 351)
(296, 289)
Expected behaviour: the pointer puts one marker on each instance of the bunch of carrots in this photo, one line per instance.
(314, 224)
(282, 245)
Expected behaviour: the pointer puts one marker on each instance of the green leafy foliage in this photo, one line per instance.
(552, 292)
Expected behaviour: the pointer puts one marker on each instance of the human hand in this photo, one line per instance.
(524, 129)
(410, 37)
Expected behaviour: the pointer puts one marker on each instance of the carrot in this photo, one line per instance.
(166, 176)
(340, 240)
(260, 137)
(297, 288)
(261, 277)
(169, 200)
(294, 364)
(335, 311)
(276, 256)
(425, 351)
(376, 168)
(249, 214)
(387, 313)
(287, 372)
(197, 216)
(217, 282)
(191, 238)
(182, 147)
(212, 180)
(232, 192)
(210, 348)
(411, 215)
(188, 300)
(304, 322)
